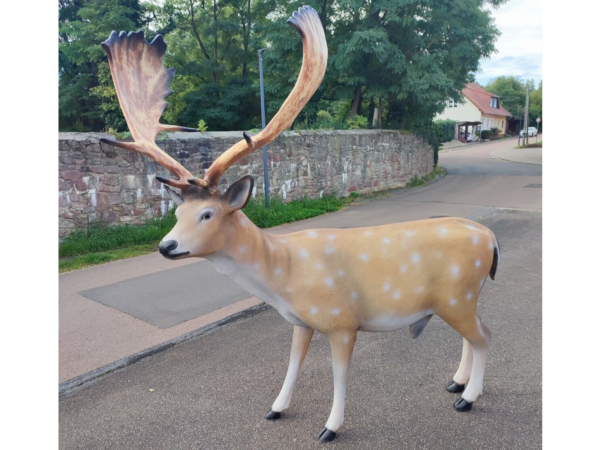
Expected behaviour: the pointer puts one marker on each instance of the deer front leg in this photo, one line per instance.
(342, 345)
(300, 342)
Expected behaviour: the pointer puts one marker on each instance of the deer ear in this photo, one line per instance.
(239, 193)
(177, 199)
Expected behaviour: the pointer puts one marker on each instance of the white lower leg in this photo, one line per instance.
(466, 363)
(480, 352)
(341, 348)
(300, 342)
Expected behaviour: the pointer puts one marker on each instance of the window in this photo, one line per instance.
(494, 102)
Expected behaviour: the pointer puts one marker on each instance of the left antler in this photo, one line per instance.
(142, 84)
(314, 63)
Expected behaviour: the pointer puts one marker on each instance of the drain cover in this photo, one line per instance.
(533, 185)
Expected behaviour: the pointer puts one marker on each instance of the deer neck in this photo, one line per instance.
(248, 250)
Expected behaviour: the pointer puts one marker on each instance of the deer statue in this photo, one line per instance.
(335, 281)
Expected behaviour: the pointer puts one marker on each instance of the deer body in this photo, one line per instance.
(335, 281)
(370, 279)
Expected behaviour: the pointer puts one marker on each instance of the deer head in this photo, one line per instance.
(205, 216)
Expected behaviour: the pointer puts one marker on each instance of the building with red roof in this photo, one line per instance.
(479, 107)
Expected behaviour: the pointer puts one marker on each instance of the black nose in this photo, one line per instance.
(166, 247)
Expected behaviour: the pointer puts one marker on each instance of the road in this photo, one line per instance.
(212, 392)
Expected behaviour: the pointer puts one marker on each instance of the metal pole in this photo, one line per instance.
(262, 110)
(526, 121)
(520, 129)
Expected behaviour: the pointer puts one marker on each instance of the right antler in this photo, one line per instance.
(314, 63)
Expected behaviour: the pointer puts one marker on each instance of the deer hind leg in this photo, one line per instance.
(342, 346)
(300, 342)
(479, 338)
(462, 375)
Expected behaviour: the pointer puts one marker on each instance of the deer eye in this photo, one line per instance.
(207, 215)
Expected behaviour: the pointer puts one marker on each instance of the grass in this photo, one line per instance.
(531, 145)
(102, 243)
(416, 181)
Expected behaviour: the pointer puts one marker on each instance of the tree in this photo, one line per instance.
(512, 91)
(87, 99)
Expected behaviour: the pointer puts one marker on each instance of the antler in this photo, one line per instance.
(314, 63)
(142, 84)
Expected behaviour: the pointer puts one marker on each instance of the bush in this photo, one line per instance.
(202, 126)
(486, 134)
(448, 129)
(433, 135)
(495, 131)
(357, 122)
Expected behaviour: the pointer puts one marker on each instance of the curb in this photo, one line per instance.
(513, 160)
(73, 385)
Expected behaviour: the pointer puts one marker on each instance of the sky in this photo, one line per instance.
(519, 48)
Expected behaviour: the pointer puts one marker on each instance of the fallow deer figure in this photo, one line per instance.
(335, 281)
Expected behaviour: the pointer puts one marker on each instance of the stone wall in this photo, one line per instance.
(100, 183)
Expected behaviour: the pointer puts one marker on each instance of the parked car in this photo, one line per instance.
(531, 131)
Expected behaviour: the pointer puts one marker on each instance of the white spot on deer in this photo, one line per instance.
(329, 250)
(477, 263)
(314, 310)
(490, 245)
(420, 289)
(346, 339)
(313, 234)
(319, 266)
(397, 295)
(278, 271)
(243, 221)
(386, 286)
(335, 312)
(452, 301)
(455, 270)
(303, 253)
(331, 237)
(341, 273)
(475, 239)
(329, 282)
(386, 241)
(439, 255)
(443, 231)
(368, 233)
(471, 227)
(353, 297)
(409, 233)
(243, 249)
(469, 296)
(403, 268)
(416, 258)
(364, 257)
(288, 290)
(283, 241)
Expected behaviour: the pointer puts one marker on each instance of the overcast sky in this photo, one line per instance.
(520, 45)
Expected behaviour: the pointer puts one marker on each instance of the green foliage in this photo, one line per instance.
(405, 57)
(357, 122)
(486, 134)
(202, 127)
(495, 131)
(448, 128)
(512, 92)
(432, 134)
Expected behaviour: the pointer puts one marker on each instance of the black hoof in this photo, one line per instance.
(461, 405)
(454, 387)
(273, 415)
(327, 435)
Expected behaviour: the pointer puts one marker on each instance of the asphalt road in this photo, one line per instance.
(213, 392)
